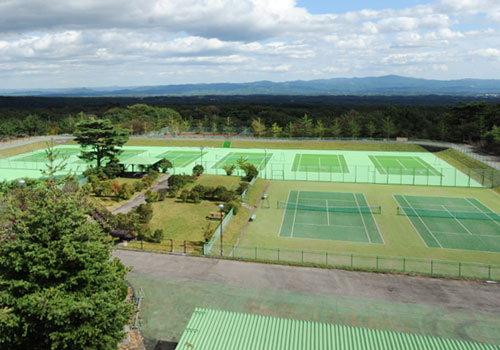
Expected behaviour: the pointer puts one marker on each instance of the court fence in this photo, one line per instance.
(377, 263)
(365, 174)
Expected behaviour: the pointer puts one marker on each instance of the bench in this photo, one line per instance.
(215, 215)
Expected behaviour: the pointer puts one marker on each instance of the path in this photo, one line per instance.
(139, 199)
(460, 295)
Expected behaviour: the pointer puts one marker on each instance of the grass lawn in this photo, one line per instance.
(230, 182)
(400, 238)
(9, 152)
(463, 162)
(320, 145)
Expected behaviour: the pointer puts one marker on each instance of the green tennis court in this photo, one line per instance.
(396, 165)
(41, 156)
(181, 158)
(338, 216)
(453, 223)
(320, 163)
(260, 160)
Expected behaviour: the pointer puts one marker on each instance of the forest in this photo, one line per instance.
(416, 117)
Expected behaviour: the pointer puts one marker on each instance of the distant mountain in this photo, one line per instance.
(384, 85)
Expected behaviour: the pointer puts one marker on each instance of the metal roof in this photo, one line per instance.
(224, 330)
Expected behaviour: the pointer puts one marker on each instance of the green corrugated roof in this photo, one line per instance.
(224, 330)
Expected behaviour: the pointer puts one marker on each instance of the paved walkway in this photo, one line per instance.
(456, 294)
(139, 199)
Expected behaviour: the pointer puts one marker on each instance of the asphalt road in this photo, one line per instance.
(456, 294)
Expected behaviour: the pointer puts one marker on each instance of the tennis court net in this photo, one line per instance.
(434, 213)
(376, 209)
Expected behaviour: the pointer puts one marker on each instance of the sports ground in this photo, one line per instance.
(411, 168)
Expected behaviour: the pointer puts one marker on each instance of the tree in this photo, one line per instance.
(198, 170)
(102, 138)
(388, 127)
(276, 130)
(371, 128)
(354, 128)
(336, 128)
(228, 127)
(492, 140)
(59, 288)
(258, 127)
(319, 129)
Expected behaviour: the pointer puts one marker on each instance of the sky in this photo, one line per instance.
(96, 43)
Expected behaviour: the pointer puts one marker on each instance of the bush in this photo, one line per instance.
(113, 169)
(163, 165)
(227, 196)
(235, 205)
(250, 171)
(184, 195)
(139, 186)
(153, 174)
(242, 187)
(158, 235)
(162, 194)
(178, 181)
(219, 190)
(202, 190)
(194, 196)
(145, 212)
(229, 169)
(198, 170)
(126, 192)
(151, 197)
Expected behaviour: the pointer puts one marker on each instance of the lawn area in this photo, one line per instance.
(463, 162)
(9, 152)
(400, 238)
(230, 182)
(271, 144)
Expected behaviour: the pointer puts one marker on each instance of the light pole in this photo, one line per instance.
(265, 163)
(221, 206)
(201, 154)
(21, 183)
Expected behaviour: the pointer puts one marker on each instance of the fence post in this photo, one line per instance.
(432, 267)
(459, 269)
(142, 245)
(278, 255)
(326, 256)
(351, 261)
(255, 253)
(404, 264)
(184, 247)
(302, 256)
(377, 262)
(489, 272)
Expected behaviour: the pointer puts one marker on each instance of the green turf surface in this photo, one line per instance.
(320, 163)
(260, 160)
(181, 158)
(329, 223)
(399, 236)
(452, 222)
(403, 165)
(226, 144)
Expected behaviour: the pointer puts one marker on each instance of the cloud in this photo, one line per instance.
(111, 42)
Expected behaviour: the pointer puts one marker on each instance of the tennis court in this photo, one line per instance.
(395, 165)
(453, 223)
(338, 216)
(320, 163)
(41, 156)
(260, 160)
(181, 158)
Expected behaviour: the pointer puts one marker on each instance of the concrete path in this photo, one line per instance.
(456, 294)
(139, 199)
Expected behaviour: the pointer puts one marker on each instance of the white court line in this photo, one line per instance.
(318, 225)
(295, 213)
(482, 211)
(425, 166)
(397, 160)
(284, 214)
(463, 234)
(327, 213)
(340, 163)
(423, 223)
(459, 222)
(362, 218)
(384, 169)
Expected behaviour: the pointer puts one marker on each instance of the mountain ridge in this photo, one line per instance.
(382, 85)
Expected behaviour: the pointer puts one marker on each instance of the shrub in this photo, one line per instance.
(194, 196)
(139, 186)
(126, 192)
(235, 205)
(198, 170)
(145, 212)
(158, 235)
(219, 190)
(227, 196)
(242, 187)
(202, 190)
(229, 169)
(184, 195)
(163, 165)
(151, 197)
(162, 194)
(112, 169)
(178, 181)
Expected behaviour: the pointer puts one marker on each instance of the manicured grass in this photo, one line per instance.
(230, 182)
(320, 145)
(464, 163)
(400, 238)
(9, 152)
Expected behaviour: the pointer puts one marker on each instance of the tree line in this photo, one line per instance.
(475, 122)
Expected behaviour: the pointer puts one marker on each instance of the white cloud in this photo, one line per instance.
(108, 42)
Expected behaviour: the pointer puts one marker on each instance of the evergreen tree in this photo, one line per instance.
(102, 138)
(58, 287)
(258, 127)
